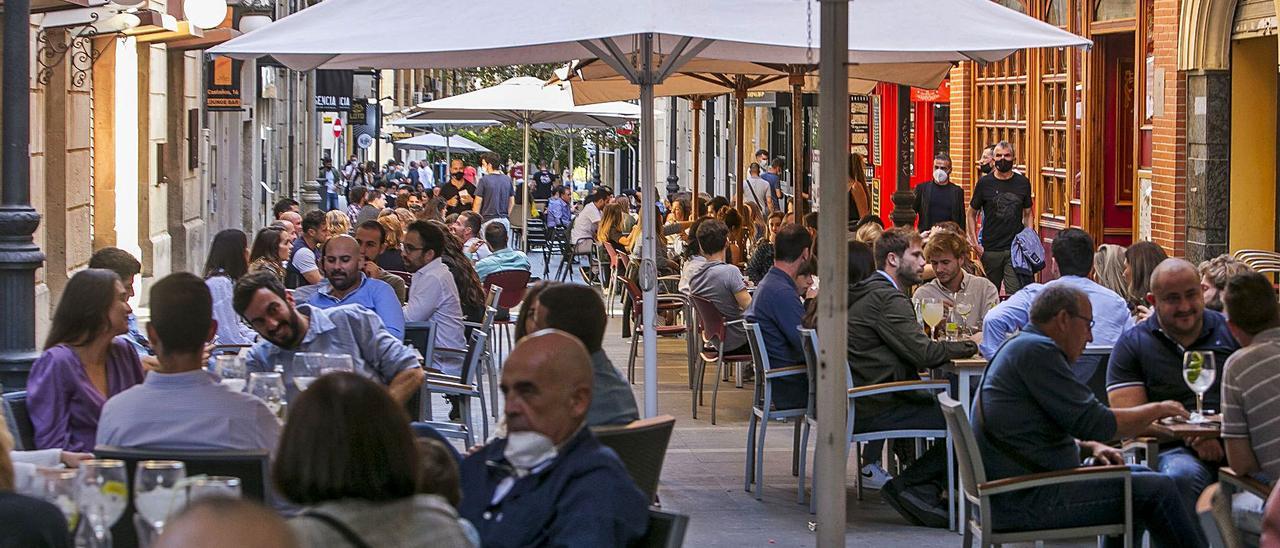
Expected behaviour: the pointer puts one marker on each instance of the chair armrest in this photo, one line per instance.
(671, 278)
(459, 351)
(443, 377)
(779, 372)
(900, 386)
(1058, 477)
(473, 325)
(434, 383)
(1243, 483)
(1147, 445)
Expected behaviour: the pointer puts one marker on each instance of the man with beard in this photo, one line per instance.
(264, 304)
(948, 253)
(1146, 365)
(887, 345)
(1214, 275)
(1004, 198)
(345, 283)
(372, 238)
(433, 295)
(457, 192)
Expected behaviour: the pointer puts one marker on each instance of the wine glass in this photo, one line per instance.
(932, 314)
(269, 387)
(337, 362)
(306, 367)
(918, 306)
(213, 486)
(58, 487)
(1198, 370)
(102, 494)
(156, 491)
(231, 369)
(964, 309)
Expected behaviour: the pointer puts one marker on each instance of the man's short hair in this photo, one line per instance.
(313, 220)
(249, 284)
(495, 234)
(557, 190)
(432, 236)
(282, 205)
(947, 242)
(181, 313)
(116, 260)
(762, 151)
(896, 240)
(472, 220)
(790, 242)
(712, 236)
(577, 310)
(942, 156)
(753, 168)
(1219, 270)
(491, 158)
(778, 163)
(1054, 299)
(1003, 144)
(1073, 250)
(375, 225)
(1251, 302)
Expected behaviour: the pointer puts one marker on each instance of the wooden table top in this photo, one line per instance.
(1178, 427)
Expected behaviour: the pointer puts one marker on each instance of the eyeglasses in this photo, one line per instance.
(1090, 320)
(411, 248)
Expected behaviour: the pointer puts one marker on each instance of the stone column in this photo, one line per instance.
(1208, 171)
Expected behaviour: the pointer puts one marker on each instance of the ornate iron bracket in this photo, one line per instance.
(51, 52)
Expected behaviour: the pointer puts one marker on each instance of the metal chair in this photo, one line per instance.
(513, 284)
(488, 368)
(19, 419)
(809, 343)
(763, 411)
(569, 260)
(1230, 484)
(712, 326)
(463, 385)
(642, 447)
(665, 302)
(666, 530)
(977, 490)
(249, 466)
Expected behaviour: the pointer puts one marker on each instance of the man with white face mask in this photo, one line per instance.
(938, 200)
(550, 483)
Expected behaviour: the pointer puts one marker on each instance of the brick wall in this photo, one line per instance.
(962, 153)
(1169, 146)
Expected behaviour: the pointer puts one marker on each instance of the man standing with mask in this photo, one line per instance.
(938, 200)
(457, 192)
(1004, 198)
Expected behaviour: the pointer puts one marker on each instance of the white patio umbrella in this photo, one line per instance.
(613, 30)
(526, 101)
(435, 141)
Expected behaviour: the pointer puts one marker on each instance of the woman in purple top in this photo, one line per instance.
(83, 362)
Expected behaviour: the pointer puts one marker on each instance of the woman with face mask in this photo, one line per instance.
(939, 200)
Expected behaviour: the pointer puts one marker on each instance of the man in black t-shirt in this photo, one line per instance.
(542, 182)
(457, 192)
(939, 200)
(1004, 198)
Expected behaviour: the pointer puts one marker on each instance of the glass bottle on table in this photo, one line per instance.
(1198, 370)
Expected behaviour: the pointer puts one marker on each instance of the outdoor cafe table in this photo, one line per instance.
(1211, 428)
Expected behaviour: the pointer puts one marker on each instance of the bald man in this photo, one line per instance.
(294, 219)
(213, 522)
(550, 483)
(1146, 365)
(346, 284)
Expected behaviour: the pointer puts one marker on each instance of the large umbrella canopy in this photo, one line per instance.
(938, 31)
(525, 100)
(435, 141)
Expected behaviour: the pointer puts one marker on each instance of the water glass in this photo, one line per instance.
(213, 486)
(231, 369)
(307, 366)
(157, 493)
(103, 493)
(337, 362)
(269, 387)
(58, 487)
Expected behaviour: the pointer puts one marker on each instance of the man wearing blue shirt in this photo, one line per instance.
(1033, 416)
(503, 257)
(1073, 251)
(261, 300)
(1146, 365)
(772, 174)
(180, 406)
(778, 308)
(346, 283)
(559, 208)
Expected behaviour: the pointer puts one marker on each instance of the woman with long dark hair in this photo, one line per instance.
(83, 363)
(348, 458)
(271, 248)
(228, 261)
(470, 291)
(1141, 259)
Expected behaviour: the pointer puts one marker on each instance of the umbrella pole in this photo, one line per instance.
(648, 269)
(524, 201)
(696, 210)
(448, 153)
(739, 110)
(831, 453)
(797, 146)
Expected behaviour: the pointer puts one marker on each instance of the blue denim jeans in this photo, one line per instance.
(1190, 474)
(1156, 508)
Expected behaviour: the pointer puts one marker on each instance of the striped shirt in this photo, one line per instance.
(1251, 399)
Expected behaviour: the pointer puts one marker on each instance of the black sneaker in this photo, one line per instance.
(889, 492)
(931, 511)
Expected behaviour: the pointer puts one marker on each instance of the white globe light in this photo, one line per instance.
(250, 23)
(205, 14)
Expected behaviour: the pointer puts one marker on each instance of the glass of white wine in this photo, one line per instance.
(230, 368)
(1198, 370)
(964, 309)
(932, 314)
